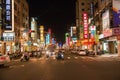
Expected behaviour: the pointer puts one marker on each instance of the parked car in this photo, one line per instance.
(60, 55)
(50, 54)
(81, 52)
(74, 51)
(4, 59)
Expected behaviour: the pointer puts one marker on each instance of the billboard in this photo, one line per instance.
(85, 22)
(93, 32)
(42, 34)
(47, 39)
(8, 15)
(106, 24)
(73, 31)
(105, 20)
(116, 13)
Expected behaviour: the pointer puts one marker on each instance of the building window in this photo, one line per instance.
(82, 4)
(83, 9)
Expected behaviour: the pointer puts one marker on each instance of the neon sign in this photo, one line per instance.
(85, 21)
(8, 17)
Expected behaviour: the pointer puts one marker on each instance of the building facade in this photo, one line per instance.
(82, 8)
(15, 18)
(103, 16)
(104, 21)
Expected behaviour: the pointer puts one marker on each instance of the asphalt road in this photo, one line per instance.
(72, 68)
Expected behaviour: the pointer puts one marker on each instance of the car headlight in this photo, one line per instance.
(47, 52)
(62, 55)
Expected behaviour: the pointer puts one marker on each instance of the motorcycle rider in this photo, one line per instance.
(25, 56)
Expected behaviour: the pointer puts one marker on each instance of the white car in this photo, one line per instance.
(4, 59)
(81, 52)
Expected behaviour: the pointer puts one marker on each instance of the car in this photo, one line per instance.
(50, 54)
(4, 59)
(74, 51)
(60, 55)
(81, 52)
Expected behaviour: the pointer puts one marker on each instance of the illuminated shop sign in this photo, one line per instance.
(116, 31)
(53, 41)
(85, 21)
(67, 39)
(41, 34)
(73, 31)
(8, 36)
(8, 13)
(91, 9)
(93, 31)
(48, 39)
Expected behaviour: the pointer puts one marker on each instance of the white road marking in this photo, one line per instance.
(68, 57)
(16, 66)
(76, 57)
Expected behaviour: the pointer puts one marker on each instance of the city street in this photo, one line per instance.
(72, 68)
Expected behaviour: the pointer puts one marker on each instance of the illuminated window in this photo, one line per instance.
(7, 1)
(7, 12)
(7, 7)
(8, 18)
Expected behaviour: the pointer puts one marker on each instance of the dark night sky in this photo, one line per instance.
(55, 14)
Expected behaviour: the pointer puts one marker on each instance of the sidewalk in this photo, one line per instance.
(108, 57)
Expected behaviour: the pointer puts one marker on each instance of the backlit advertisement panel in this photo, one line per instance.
(8, 15)
(85, 23)
(93, 31)
(47, 39)
(106, 24)
(105, 20)
(41, 34)
(116, 13)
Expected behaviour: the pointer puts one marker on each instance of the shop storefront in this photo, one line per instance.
(110, 45)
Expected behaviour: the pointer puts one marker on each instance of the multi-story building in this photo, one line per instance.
(34, 29)
(34, 36)
(15, 18)
(104, 19)
(82, 8)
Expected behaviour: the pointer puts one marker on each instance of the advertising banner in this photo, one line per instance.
(116, 13)
(8, 15)
(106, 24)
(105, 20)
(85, 22)
(93, 31)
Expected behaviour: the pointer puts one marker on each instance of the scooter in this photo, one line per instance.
(24, 58)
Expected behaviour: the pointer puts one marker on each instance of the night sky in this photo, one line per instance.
(58, 15)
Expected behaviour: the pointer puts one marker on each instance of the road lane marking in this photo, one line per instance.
(16, 66)
(68, 57)
(76, 57)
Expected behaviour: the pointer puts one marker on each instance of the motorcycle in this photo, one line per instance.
(24, 58)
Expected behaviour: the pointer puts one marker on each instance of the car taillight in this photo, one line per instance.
(2, 58)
